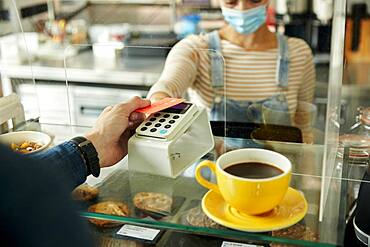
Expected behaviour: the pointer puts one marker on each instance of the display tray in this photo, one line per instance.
(123, 186)
(185, 213)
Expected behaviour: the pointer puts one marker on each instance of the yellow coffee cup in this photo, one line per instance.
(248, 195)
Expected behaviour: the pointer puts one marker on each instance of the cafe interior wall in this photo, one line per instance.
(95, 13)
(9, 24)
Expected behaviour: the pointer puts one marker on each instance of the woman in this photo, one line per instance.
(259, 69)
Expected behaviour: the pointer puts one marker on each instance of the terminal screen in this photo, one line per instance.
(178, 109)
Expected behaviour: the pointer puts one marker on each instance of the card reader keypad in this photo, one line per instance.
(159, 124)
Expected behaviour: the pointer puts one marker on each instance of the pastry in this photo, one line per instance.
(115, 242)
(298, 231)
(85, 192)
(111, 208)
(196, 217)
(154, 202)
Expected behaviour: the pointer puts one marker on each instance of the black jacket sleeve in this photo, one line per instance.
(35, 206)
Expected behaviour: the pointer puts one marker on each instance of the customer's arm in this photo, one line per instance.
(67, 157)
(179, 71)
(36, 208)
(109, 136)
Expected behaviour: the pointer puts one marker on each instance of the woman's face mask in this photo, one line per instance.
(245, 21)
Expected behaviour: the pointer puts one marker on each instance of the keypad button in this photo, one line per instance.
(157, 125)
(162, 132)
(162, 120)
(157, 115)
(171, 121)
(148, 124)
(143, 128)
(152, 119)
(166, 115)
(167, 126)
(153, 130)
(176, 117)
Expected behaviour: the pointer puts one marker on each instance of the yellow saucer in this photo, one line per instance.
(290, 211)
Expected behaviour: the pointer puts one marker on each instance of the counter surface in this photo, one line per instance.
(84, 67)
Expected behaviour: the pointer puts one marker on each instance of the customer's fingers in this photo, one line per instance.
(134, 103)
(133, 125)
(137, 117)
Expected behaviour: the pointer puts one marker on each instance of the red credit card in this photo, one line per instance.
(160, 105)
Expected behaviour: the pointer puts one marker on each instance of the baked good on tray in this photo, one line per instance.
(85, 192)
(152, 201)
(110, 208)
(196, 217)
(116, 242)
(297, 231)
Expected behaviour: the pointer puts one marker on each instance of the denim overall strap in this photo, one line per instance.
(248, 111)
(217, 62)
(282, 68)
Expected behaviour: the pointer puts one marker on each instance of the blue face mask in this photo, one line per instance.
(247, 21)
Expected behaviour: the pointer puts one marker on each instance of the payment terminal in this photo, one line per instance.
(167, 123)
(171, 140)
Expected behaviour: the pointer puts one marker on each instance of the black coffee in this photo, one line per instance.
(253, 170)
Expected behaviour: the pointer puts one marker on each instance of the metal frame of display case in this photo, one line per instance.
(334, 99)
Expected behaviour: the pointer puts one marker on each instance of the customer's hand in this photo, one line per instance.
(113, 128)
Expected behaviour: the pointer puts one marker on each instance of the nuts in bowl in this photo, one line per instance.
(26, 147)
(26, 141)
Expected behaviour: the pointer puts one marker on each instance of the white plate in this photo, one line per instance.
(21, 136)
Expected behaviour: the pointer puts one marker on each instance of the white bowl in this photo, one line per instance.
(21, 136)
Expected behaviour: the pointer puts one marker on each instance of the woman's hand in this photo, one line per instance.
(113, 128)
(158, 96)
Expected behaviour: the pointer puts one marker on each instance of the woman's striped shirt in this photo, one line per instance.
(249, 75)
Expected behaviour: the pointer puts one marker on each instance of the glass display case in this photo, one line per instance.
(83, 76)
(180, 199)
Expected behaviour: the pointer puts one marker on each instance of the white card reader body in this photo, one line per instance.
(171, 140)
